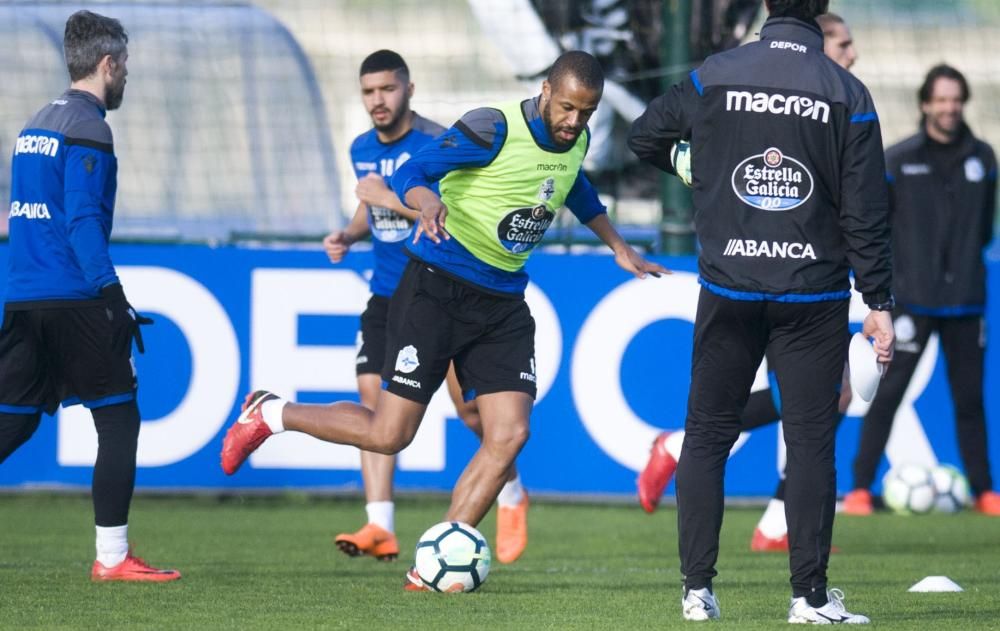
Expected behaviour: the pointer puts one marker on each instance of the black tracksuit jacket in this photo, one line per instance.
(788, 169)
(942, 201)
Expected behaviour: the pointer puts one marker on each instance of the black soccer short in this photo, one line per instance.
(64, 355)
(434, 319)
(371, 336)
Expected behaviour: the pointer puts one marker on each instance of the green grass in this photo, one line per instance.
(270, 563)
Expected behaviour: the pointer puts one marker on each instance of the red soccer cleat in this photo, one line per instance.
(858, 502)
(762, 543)
(247, 433)
(132, 569)
(414, 583)
(988, 503)
(656, 475)
(372, 540)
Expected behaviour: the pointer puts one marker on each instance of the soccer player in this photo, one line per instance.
(942, 192)
(67, 327)
(503, 173)
(771, 533)
(397, 133)
(789, 195)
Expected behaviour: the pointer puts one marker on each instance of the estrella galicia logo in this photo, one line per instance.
(772, 181)
(521, 230)
(387, 225)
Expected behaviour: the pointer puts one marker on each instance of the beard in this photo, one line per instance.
(547, 119)
(393, 123)
(115, 95)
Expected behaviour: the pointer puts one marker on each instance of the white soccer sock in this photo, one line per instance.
(112, 544)
(271, 411)
(772, 523)
(382, 514)
(674, 443)
(512, 493)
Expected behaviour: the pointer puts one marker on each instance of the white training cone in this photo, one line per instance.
(936, 584)
(864, 368)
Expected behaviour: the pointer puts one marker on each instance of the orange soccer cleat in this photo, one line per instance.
(858, 502)
(656, 475)
(988, 503)
(247, 433)
(512, 530)
(414, 583)
(372, 540)
(132, 569)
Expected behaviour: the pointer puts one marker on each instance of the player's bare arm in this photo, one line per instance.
(337, 243)
(625, 255)
(372, 190)
(433, 213)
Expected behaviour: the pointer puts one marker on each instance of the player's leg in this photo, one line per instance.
(729, 341)
(666, 449)
(912, 333)
(505, 430)
(512, 502)
(377, 537)
(963, 341)
(92, 355)
(771, 533)
(15, 430)
(23, 382)
(808, 351)
(418, 353)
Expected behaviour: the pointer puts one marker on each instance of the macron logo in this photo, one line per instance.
(764, 103)
(43, 145)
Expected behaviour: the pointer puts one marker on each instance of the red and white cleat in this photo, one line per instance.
(247, 433)
(132, 569)
(414, 583)
(656, 475)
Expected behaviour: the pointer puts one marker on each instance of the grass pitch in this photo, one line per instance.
(269, 563)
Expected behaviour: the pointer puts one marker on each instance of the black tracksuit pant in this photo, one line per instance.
(807, 345)
(963, 343)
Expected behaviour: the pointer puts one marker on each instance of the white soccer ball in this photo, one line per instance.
(951, 487)
(909, 489)
(680, 159)
(453, 557)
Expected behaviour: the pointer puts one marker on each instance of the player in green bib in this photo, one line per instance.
(504, 172)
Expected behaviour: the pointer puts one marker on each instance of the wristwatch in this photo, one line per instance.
(880, 301)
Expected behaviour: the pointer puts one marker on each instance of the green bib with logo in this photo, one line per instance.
(500, 212)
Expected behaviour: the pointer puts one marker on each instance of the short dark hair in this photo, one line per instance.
(942, 71)
(802, 9)
(827, 20)
(383, 60)
(88, 38)
(584, 67)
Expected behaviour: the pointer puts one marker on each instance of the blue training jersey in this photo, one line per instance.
(62, 201)
(389, 229)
